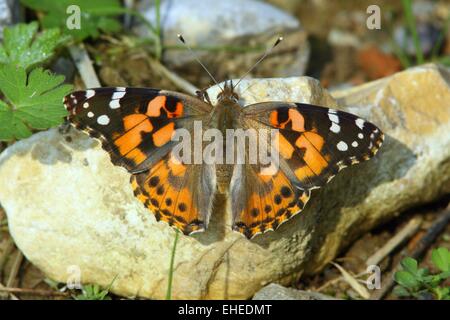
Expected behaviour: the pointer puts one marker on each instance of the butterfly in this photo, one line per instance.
(137, 125)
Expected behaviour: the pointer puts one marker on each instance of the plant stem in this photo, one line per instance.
(158, 44)
(411, 21)
(440, 39)
(172, 260)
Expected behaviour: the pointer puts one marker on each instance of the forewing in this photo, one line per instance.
(316, 142)
(136, 126)
(313, 143)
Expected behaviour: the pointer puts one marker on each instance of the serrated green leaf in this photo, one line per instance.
(11, 127)
(95, 15)
(410, 265)
(35, 101)
(406, 279)
(23, 46)
(441, 259)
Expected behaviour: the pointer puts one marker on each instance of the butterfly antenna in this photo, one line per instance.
(268, 51)
(180, 37)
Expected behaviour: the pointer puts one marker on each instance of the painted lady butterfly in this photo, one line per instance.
(136, 126)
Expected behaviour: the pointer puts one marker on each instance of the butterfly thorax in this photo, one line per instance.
(227, 109)
(225, 115)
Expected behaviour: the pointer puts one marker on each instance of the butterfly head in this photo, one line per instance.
(228, 94)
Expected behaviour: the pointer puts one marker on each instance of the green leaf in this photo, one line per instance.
(24, 47)
(410, 265)
(34, 101)
(401, 292)
(441, 259)
(94, 16)
(11, 127)
(93, 292)
(444, 275)
(442, 293)
(406, 279)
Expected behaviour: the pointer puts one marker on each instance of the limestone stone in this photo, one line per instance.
(70, 209)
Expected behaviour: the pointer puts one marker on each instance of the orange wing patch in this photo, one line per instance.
(293, 117)
(162, 191)
(163, 135)
(312, 143)
(134, 125)
(158, 105)
(268, 208)
(306, 146)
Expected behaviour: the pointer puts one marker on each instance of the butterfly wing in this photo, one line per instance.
(313, 144)
(136, 126)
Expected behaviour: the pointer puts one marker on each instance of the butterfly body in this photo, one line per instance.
(137, 127)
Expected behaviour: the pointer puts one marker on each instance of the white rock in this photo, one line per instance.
(67, 205)
(234, 23)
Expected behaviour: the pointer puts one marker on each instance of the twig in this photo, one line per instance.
(5, 295)
(329, 283)
(407, 232)
(14, 269)
(84, 65)
(37, 292)
(181, 83)
(6, 252)
(359, 288)
(428, 238)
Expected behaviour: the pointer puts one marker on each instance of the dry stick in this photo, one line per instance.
(14, 269)
(181, 83)
(84, 66)
(359, 288)
(37, 292)
(5, 295)
(432, 233)
(405, 233)
(6, 252)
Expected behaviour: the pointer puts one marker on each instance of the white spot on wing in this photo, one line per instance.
(103, 120)
(333, 117)
(90, 93)
(85, 105)
(360, 135)
(354, 144)
(360, 123)
(114, 104)
(342, 146)
(118, 95)
(90, 114)
(120, 89)
(335, 127)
